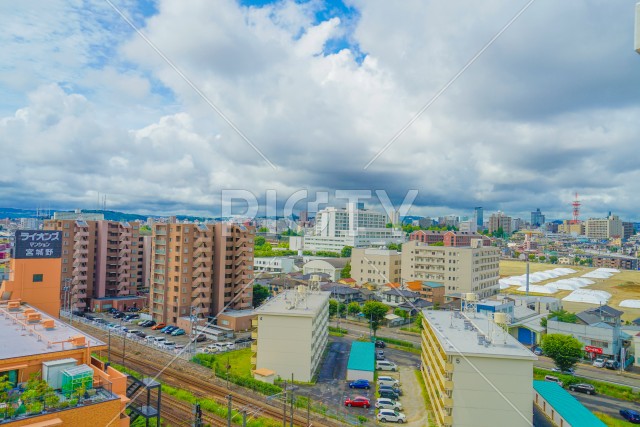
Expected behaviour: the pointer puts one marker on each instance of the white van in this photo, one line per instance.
(388, 381)
(553, 379)
(385, 365)
(150, 339)
(168, 345)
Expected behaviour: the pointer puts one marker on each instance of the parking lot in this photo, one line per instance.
(332, 388)
(126, 330)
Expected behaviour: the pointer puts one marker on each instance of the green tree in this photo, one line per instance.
(389, 225)
(395, 246)
(342, 309)
(260, 294)
(346, 252)
(553, 259)
(437, 244)
(263, 230)
(5, 386)
(375, 312)
(565, 350)
(400, 312)
(289, 232)
(346, 271)
(562, 316)
(542, 258)
(333, 307)
(532, 257)
(418, 321)
(516, 254)
(576, 260)
(259, 241)
(353, 308)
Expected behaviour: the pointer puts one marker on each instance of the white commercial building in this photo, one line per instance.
(273, 265)
(331, 266)
(476, 374)
(292, 332)
(339, 227)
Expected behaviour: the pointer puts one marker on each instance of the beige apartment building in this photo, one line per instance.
(475, 373)
(460, 269)
(375, 266)
(200, 269)
(500, 220)
(101, 261)
(292, 333)
(569, 227)
(604, 228)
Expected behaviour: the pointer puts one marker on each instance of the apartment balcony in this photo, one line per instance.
(448, 367)
(204, 240)
(81, 245)
(160, 232)
(254, 360)
(157, 290)
(160, 252)
(254, 335)
(81, 267)
(254, 323)
(125, 258)
(158, 271)
(159, 260)
(202, 261)
(124, 292)
(124, 245)
(80, 275)
(158, 301)
(124, 252)
(202, 270)
(447, 402)
(82, 252)
(161, 242)
(124, 268)
(125, 234)
(79, 235)
(123, 278)
(202, 250)
(201, 301)
(448, 385)
(254, 347)
(158, 280)
(81, 295)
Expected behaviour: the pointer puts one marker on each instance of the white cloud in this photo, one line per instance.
(549, 109)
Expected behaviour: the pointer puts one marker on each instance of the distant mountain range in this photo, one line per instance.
(14, 213)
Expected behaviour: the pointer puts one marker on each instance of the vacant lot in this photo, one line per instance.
(623, 285)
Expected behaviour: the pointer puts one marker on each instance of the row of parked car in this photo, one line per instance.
(388, 403)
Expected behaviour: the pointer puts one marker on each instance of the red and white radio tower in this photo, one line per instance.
(576, 210)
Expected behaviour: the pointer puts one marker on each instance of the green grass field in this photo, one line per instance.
(623, 285)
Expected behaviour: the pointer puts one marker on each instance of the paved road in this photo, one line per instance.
(539, 420)
(605, 404)
(357, 330)
(599, 374)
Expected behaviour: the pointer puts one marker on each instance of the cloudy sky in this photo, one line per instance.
(162, 105)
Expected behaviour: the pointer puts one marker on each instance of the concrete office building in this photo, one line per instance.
(537, 218)
(102, 262)
(449, 238)
(205, 266)
(292, 332)
(277, 265)
(604, 228)
(474, 268)
(467, 359)
(627, 230)
(478, 214)
(499, 220)
(351, 226)
(55, 351)
(375, 266)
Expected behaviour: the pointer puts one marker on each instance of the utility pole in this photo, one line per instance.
(229, 397)
(308, 412)
(292, 392)
(197, 411)
(284, 406)
(244, 418)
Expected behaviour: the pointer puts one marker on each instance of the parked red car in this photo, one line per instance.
(360, 401)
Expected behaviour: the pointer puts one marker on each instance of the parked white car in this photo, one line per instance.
(599, 362)
(385, 403)
(385, 365)
(389, 415)
(168, 345)
(390, 381)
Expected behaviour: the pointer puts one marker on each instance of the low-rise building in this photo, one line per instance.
(561, 407)
(331, 266)
(276, 265)
(375, 266)
(430, 291)
(361, 364)
(82, 389)
(615, 261)
(292, 332)
(466, 359)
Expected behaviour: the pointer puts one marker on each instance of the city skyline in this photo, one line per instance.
(91, 107)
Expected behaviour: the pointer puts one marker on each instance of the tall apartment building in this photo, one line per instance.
(475, 373)
(478, 214)
(627, 230)
(351, 226)
(500, 220)
(474, 268)
(200, 269)
(569, 227)
(449, 238)
(292, 333)
(537, 218)
(376, 266)
(604, 228)
(102, 261)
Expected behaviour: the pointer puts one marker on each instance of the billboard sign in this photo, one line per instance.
(37, 244)
(590, 349)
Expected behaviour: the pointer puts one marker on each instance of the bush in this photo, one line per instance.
(207, 360)
(617, 391)
(338, 330)
(399, 343)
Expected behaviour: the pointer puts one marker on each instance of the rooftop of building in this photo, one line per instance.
(334, 262)
(295, 302)
(377, 251)
(238, 313)
(362, 356)
(567, 406)
(125, 298)
(474, 334)
(30, 335)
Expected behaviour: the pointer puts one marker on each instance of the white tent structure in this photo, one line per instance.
(630, 303)
(538, 289)
(601, 273)
(588, 296)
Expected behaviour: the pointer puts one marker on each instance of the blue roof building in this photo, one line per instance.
(561, 407)
(362, 363)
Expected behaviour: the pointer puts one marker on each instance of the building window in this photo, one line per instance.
(38, 278)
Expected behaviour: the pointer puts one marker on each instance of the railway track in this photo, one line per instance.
(180, 411)
(205, 389)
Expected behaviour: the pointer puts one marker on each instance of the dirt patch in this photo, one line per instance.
(412, 400)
